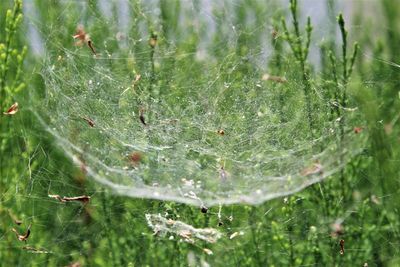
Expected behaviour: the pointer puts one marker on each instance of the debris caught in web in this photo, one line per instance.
(135, 158)
(12, 110)
(82, 38)
(22, 237)
(341, 246)
(89, 121)
(208, 251)
(141, 117)
(83, 199)
(315, 168)
(163, 226)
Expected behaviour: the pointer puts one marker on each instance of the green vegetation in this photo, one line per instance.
(167, 62)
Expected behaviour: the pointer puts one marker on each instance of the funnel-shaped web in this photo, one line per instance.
(187, 118)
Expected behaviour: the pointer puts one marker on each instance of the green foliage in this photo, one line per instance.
(300, 50)
(10, 56)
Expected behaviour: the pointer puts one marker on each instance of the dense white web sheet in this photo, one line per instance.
(209, 132)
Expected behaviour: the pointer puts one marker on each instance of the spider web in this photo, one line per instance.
(201, 123)
(210, 119)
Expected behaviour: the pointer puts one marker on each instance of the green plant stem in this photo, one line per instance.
(301, 53)
(251, 218)
(12, 22)
(108, 226)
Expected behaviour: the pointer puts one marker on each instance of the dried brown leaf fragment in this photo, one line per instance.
(341, 246)
(357, 130)
(83, 38)
(89, 121)
(12, 110)
(22, 237)
(83, 199)
(135, 158)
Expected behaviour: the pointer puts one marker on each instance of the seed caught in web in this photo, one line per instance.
(221, 132)
(89, 121)
(341, 246)
(203, 209)
(278, 79)
(135, 158)
(23, 237)
(83, 199)
(12, 110)
(141, 117)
